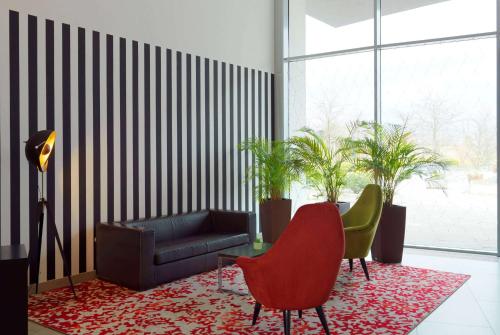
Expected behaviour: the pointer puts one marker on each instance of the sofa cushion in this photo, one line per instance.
(224, 241)
(171, 251)
(186, 225)
(170, 228)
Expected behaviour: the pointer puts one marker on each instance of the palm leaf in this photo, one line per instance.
(274, 170)
(388, 153)
(324, 167)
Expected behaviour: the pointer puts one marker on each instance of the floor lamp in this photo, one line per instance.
(38, 149)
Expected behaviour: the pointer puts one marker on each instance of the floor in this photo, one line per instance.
(473, 309)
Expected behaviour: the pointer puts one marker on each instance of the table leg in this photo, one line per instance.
(219, 272)
(220, 263)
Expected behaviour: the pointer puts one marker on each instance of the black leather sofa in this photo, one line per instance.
(145, 253)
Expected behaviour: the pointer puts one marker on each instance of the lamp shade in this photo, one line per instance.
(39, 147)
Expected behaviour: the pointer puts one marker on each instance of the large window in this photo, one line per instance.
(320, 26)
(325, 94)
(412, 20)
(430, 64)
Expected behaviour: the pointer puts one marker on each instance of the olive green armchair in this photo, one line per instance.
(360, 225)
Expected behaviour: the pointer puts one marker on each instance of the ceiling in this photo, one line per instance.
(341, 12)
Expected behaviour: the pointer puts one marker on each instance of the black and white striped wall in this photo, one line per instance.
(142, 131)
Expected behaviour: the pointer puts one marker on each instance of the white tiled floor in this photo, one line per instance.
(475, 307)
(473, 310)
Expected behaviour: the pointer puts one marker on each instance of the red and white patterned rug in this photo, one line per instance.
(395, 301)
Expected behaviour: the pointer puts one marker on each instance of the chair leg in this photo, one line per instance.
(350, 264)
(289, 321)
(286, 322)
(256, 312)
(365, 268)
(322, 318)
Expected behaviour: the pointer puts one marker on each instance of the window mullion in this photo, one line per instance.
(377, 61)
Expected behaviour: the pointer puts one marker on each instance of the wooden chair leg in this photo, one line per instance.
(322, 318)
(286, 322)
(350, 264)
(289, 321)
(365, 268)
(256, 312)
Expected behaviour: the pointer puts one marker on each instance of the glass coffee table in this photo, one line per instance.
(231, 254)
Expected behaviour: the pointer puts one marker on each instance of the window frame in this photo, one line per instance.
(283, 62)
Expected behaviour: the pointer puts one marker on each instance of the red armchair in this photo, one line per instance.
(300, 270)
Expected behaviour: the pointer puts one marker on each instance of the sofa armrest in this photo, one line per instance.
(124, 255)
(234, 222)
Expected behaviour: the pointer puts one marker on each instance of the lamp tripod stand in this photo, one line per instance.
(42, 206)
(38, 149)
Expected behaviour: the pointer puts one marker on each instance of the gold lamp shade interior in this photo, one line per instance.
(39, 147)
(47, 150)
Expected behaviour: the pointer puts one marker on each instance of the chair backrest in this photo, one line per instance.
(367, 209)
(309, 253)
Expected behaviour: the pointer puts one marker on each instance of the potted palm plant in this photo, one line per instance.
(274, 173)
(389, 155)
(324, 166)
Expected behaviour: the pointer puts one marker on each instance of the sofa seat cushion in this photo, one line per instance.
(171, 251)
(224, 241)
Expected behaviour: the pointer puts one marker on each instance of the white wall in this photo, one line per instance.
(235, 31)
